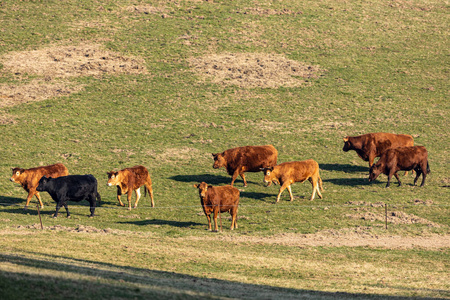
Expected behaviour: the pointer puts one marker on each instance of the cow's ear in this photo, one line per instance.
(196, 185)
(215, 154)
(346, 139)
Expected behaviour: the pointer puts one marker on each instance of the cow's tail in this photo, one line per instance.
(428, 168)
(99, 199)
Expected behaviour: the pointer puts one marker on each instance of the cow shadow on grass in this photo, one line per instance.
(347, 181)
(211, 179)
(346, 168)
(265, 197)
(117, 279)
(162, 222)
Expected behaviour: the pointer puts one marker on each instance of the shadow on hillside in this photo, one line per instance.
(125, 282)
(212, 179)
(347, 181)
(266, 197)
(162, 222)
(346, 168)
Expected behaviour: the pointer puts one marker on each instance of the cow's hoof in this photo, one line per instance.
(68, 217)
(91, 216)
(54, 217)
(25, 207)
(42, 207)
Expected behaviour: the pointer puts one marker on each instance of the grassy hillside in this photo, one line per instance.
(101, 86)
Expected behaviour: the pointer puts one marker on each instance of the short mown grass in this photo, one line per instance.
(385, 68)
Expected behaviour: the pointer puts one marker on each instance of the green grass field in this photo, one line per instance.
(102, 86)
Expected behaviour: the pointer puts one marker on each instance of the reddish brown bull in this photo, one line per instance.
(239, 160)
(129, 180)
(218, 199)
(402, 159)
(371, 145)
(29, 178)
(287, 173)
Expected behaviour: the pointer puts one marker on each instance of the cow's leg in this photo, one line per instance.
(233, 178)
(216, 210)
(208, 216)
(282, 188)
(371, 158)
(398, 178)
(130, 192)
(38, 196)
(92, 204)
(318, 180)
(67, 209)
(138, 196)
(314, 186)
(243, 178)
(389, 180)
(234, 211)
(31, 192)
(58, 206)
(290, 193)
(119, 193)
(150, 190)
(418, 172)
(424, 173)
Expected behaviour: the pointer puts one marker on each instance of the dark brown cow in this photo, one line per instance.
(402, 159)
(371, 145)
(129, 180)
(287, 173)
(239, 160)
(29, 178)
(218, 199)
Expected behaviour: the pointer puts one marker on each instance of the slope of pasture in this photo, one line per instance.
(100, 86)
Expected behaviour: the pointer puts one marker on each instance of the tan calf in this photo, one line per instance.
(287, 173)
(29, 178)
(129, 180)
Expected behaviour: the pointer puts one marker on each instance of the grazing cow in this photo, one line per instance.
(287, 173)
(29, 178)
(218, 199)
(402, 159)
(70, 188)
(371, 145)
(245, 159)
(129, 180)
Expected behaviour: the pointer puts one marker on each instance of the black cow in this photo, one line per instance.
(70, 188)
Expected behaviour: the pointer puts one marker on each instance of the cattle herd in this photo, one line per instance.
(396, 151)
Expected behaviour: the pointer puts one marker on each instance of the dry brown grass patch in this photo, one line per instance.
(71, 61)
(36, 90)
(250, 70)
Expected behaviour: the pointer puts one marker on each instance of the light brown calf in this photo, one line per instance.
(29, 178)
(287, 173)
(218, 199)
(129, 180)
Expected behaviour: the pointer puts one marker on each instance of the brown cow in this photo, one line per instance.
(29, 178)
(287, 173)
(371, 145)
(402, 159)
(129, 180)
(245, 159)
(218, 199)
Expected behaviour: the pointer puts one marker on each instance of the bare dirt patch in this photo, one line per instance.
(37, 90)
(145, 9)
(250, 70)
(56, 65)
(71, 61)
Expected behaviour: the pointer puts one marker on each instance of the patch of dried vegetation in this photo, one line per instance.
(55, 66)
(250, 70)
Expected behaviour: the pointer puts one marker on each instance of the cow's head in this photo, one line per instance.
(374, 171)
(202, 189)
(347, 144)
(219, 160)
(17, 175)
(113, 178)
(269, 176)
(43, 183)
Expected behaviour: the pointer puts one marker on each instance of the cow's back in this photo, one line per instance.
(253, 158)
(384, 141)
(297, 170)
(138, 175)
(223, 195)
